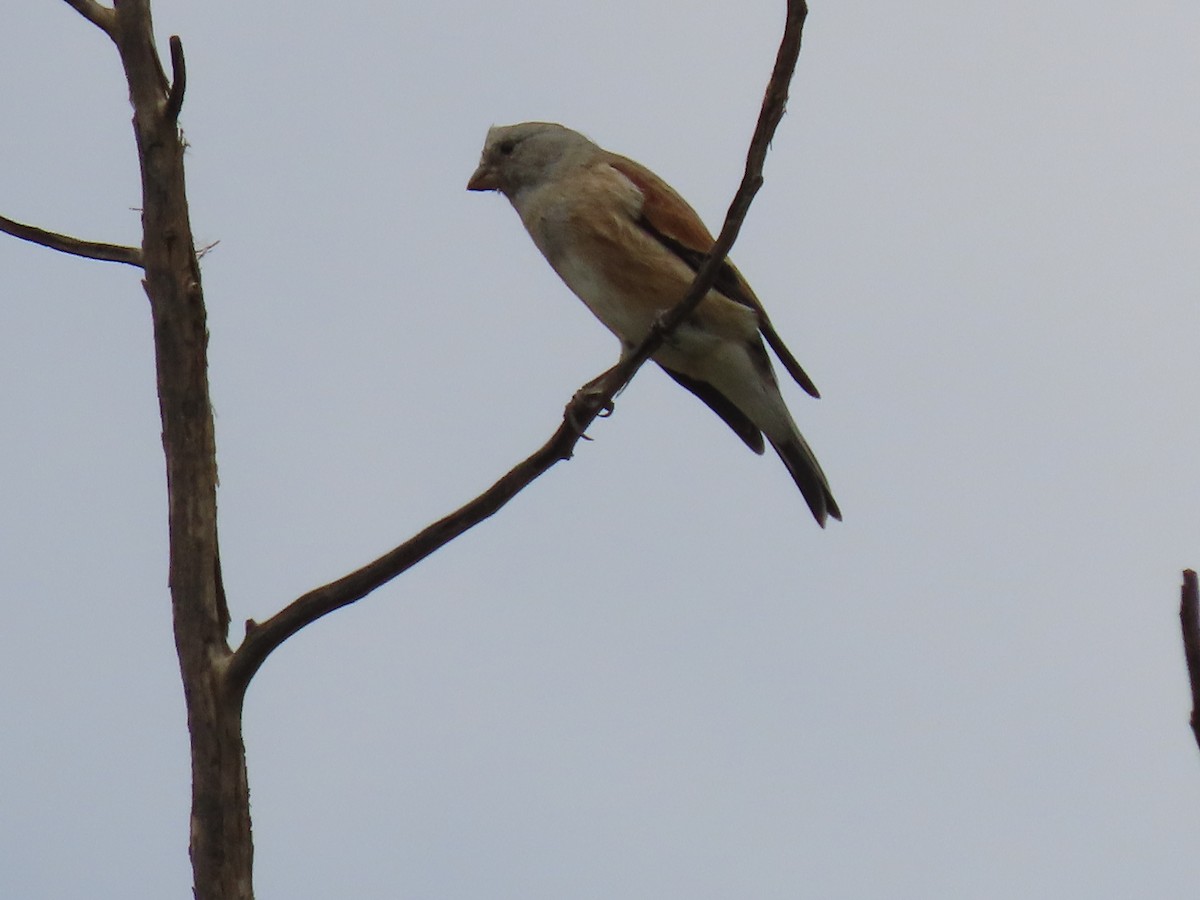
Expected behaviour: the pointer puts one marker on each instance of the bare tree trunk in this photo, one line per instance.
(220, 843)
(220, 839)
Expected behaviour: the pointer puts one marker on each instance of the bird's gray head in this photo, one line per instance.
(517, 157)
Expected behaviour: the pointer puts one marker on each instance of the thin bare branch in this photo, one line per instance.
(1189, 620)
(178, 80)
(773, 107)
(131, 256)
(585, 406)
(102, 17)
(263, 638)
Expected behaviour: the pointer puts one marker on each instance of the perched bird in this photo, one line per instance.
(628, 246)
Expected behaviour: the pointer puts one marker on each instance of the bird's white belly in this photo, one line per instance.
(628, 318)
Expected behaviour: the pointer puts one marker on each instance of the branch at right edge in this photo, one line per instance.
(1189, 620)
(131, 256)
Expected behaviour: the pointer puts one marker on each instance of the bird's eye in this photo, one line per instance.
(507, 147)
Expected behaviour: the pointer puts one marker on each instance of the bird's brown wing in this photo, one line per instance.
(669, 219)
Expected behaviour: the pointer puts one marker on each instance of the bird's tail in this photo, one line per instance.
(806, 472)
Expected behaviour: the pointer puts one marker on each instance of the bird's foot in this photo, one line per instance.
(590, 402)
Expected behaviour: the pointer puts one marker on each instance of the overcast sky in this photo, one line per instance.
(651, 676)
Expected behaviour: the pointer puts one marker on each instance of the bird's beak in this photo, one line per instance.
(484, 179)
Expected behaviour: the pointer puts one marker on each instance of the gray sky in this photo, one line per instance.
(652, 675)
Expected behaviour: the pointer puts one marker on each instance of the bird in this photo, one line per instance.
(628, 245)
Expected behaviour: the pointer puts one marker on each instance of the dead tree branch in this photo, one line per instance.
(220, 844)
(131, 256)
(1189, 620)
(263, 638)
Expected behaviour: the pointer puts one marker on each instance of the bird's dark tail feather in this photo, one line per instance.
(806, 472)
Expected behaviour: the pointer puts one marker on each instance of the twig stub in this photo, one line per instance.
(178, 80)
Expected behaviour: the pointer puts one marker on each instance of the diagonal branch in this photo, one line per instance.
(102, 17)
(585, 406)
(131, 256)
(263, 638)
(773, 108)
(1189, 619)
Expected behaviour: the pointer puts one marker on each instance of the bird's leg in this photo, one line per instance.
(596, 385)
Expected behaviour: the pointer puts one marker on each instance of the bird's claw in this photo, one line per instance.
(587, 405)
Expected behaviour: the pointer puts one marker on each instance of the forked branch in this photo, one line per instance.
(262, 638)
